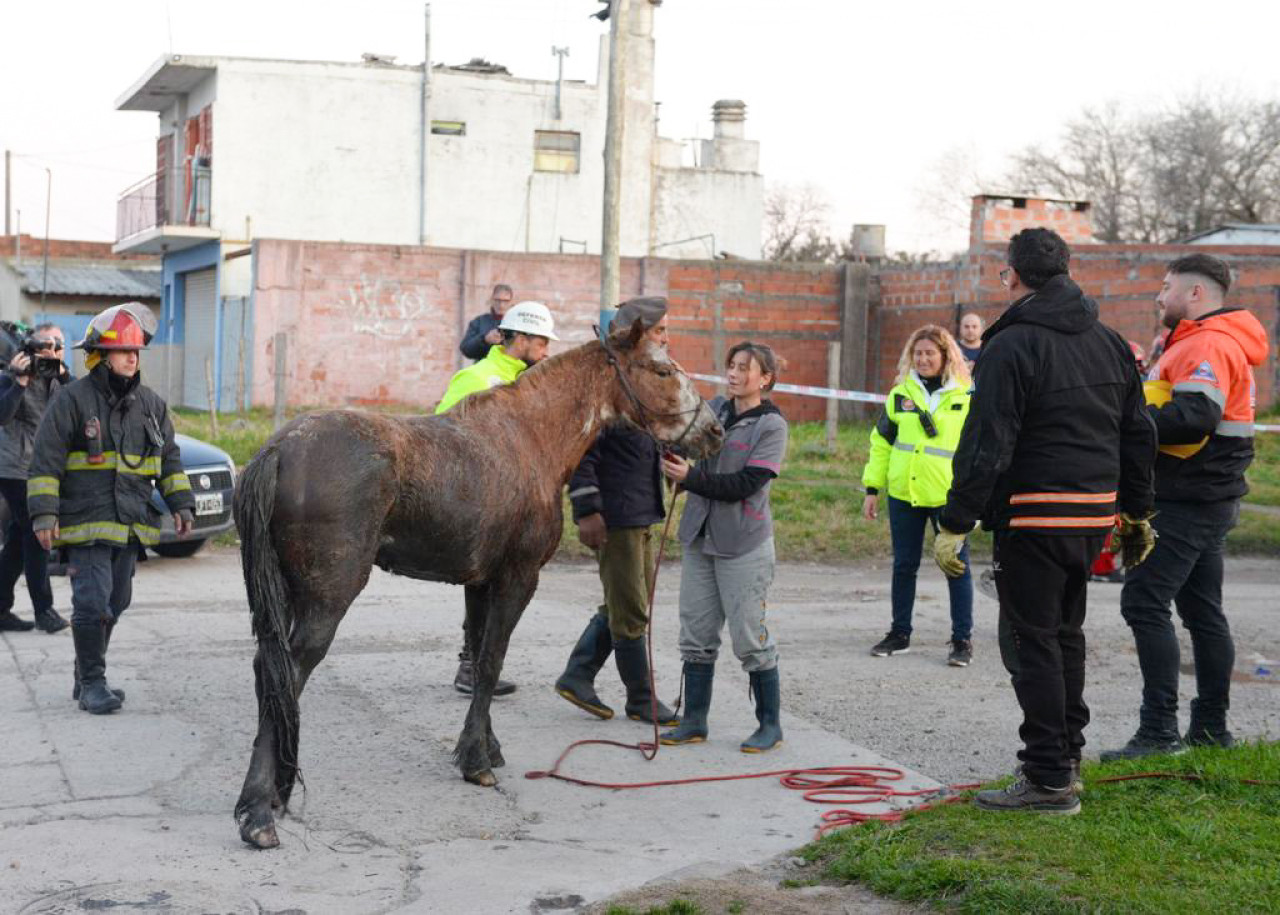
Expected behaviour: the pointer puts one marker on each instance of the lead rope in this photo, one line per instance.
(844, 785)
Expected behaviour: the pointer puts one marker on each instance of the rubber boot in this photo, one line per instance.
(697, 702)
(1208, 727)
(578, 682)
(765, 690)
(95, 697)
(107, 629)
(633, 667)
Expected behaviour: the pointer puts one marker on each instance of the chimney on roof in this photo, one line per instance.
(729, 116)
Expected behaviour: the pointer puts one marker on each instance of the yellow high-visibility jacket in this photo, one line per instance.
(906, 461)
(494, 370)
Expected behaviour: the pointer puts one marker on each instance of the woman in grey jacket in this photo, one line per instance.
(727, 533)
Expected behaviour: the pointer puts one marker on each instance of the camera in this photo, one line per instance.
(47, 367)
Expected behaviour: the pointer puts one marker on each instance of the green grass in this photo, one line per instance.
(1159, 846)
(817, 502)
(677, 907)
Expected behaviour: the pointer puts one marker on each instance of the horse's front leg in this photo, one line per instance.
(493, 610)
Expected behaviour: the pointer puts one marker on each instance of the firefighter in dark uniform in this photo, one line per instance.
(1057, 443)
(616, 494)
(100, 446)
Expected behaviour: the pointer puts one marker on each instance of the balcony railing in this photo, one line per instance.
(173, 197)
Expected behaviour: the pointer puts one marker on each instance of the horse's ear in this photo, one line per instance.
(627, 337)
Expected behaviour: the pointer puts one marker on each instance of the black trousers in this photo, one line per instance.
(22, 553)
(1185, 568)
(1042, 581)
(101, 582)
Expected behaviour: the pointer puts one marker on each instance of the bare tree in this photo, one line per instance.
(1156, 176)
(945, 193)
(795, 224)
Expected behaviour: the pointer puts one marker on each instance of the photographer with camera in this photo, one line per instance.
(35, 374)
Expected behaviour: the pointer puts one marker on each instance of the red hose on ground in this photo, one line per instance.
(845, 785)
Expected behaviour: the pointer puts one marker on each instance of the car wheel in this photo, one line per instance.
(179, 549)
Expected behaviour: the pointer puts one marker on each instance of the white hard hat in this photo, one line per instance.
(531, 318)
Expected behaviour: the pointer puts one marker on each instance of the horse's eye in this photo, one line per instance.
(664, 371)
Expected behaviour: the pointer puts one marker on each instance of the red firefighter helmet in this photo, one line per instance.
(129, 327)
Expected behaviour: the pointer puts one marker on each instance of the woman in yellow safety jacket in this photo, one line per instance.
(912, 445)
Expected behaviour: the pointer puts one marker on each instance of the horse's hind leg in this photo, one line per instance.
(258, 796)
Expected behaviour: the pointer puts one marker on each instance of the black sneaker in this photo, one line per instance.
(11, 623)
(1025, 795)
(1140, 745)
(464, 681)
(891, 644)
(961, 652)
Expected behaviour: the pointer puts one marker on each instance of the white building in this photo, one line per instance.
(334, 151)
(1237, 233)
(372, 152)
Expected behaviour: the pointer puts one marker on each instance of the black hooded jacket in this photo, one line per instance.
(1058, 437)
(620, 478)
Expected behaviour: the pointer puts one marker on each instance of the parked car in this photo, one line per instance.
(213, 476)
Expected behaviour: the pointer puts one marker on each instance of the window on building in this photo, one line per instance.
(556, 151)
(449, 128)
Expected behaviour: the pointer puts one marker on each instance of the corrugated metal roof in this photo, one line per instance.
(90, 279)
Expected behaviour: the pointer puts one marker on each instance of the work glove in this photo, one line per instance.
(1134, 539)
(946, 552)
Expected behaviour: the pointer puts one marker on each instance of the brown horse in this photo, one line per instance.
(472, 497)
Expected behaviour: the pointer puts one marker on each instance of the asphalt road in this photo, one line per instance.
(132, 811)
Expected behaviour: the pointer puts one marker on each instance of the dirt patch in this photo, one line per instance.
(782, 886)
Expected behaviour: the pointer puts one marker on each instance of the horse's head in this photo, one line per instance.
(654, 394)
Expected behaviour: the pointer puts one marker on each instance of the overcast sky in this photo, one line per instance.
(858, 99)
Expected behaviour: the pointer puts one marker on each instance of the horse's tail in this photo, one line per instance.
(275, 672)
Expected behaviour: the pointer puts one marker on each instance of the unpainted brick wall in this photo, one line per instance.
(33, 249)
(377, 324)
(1124, 279)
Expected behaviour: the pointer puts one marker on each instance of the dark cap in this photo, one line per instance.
(649, 309)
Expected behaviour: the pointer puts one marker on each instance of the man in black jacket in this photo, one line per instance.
(25, 392)
(102, 445)
(483, 331)
(616, 494)
(1057, 442)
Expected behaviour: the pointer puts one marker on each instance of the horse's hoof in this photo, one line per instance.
(261, 837)
(484, 778)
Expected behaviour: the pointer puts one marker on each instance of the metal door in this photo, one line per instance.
(200, 306)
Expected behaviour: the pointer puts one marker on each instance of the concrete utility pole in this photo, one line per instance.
(48, 202)
(610, 265)
(8, 165)
(425, 126)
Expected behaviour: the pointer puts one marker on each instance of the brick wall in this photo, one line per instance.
(793, 308)
(33, 248)
(371, 324)
(1124, 279)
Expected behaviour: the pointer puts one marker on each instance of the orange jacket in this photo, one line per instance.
(1208, 365)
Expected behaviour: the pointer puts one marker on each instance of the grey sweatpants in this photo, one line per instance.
(714, 591)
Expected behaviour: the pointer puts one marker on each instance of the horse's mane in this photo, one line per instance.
(549, 373)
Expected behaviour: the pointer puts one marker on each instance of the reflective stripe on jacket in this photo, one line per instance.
(1208, 366)
(905, 460)
(99, 486)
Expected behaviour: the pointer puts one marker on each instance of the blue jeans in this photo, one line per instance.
(906, 529)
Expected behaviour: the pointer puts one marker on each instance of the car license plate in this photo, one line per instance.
(210, 504)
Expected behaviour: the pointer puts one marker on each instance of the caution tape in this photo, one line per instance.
(868, 397)
(810, 390)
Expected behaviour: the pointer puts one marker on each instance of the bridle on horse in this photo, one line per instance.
(646, 412)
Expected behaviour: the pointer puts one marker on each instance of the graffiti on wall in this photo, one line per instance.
(384, 308)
